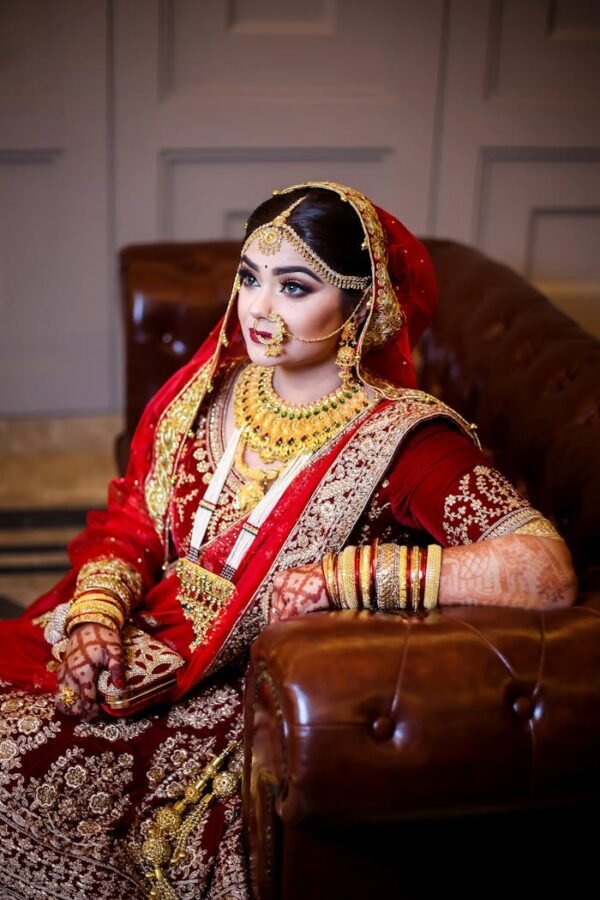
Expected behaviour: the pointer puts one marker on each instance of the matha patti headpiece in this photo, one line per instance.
(271, 235)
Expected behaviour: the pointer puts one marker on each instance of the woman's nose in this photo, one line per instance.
(261, 302)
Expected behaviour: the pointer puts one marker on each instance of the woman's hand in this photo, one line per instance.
(91, 647)
(299, 591)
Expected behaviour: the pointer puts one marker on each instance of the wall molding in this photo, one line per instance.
(29, 156)
(536, 213)
(170, 159)
(291, 28)
(492, 155)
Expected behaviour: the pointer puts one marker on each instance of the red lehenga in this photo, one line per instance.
(77, 798)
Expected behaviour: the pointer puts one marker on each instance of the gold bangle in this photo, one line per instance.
(402, 587)
(96, 606)
(348, 586)
(105, 582)
(92, 618)
(102, 594)
(364, 575)
(112, 567)
(97, 597)
(433, 571)
(415, 582)
(329, 575)
(386, 578)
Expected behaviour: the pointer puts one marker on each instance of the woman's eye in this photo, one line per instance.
(247, 278)
(293, 288)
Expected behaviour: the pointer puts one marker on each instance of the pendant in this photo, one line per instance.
(248, 496)
(202, 595)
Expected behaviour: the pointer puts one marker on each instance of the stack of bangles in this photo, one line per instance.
(384, 577)
(105, 600)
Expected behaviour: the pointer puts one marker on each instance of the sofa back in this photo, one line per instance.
(529, 376)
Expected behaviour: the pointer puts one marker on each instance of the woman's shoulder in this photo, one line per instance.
(409, 408)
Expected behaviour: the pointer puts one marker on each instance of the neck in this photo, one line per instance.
(307, 383)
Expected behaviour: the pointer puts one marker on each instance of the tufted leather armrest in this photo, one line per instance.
(488, 720)
(359, 721)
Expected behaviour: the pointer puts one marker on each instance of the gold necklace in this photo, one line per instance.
(280, 430)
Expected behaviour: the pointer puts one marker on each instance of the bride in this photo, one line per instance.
(290, 466)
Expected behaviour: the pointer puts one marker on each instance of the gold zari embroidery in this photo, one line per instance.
(174, 424)
(487, 503)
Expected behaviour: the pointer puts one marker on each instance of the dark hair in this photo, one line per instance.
(328, 224)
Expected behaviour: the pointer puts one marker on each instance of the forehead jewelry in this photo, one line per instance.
(271, 235)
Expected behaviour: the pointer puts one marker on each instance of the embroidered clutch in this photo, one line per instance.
(150, 673)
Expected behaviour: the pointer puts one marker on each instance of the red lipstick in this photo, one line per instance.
(256, 335)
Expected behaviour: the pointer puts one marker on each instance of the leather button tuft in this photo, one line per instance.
(523, 707)
(383, 728)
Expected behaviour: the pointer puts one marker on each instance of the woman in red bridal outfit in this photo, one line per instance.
(291, 466)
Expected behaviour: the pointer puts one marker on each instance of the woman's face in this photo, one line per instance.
(284, 283)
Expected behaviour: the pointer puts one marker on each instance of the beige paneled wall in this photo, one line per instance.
(519, 149)
(56, 302)
(170, 119)
(218, 103)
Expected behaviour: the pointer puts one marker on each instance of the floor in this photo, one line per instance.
(52, 472)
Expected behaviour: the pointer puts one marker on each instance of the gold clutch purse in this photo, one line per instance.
(150, 673)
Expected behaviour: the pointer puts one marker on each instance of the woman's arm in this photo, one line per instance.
(515, 570)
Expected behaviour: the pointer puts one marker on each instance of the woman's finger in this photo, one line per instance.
(115, 662)
(68, 699)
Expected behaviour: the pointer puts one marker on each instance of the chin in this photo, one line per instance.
(258, 356)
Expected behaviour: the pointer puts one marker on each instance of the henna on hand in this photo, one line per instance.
(91, 647)
(515, 570)
(299, 591)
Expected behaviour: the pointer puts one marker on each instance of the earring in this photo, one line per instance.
(346, 355)
(273, 346)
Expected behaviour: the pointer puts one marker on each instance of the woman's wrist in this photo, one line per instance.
(384, 577)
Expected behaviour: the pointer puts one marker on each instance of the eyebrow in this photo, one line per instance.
(283, 270)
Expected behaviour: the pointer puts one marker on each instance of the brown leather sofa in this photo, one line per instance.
(393, 756)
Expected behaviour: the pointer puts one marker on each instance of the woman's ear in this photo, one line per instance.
(364, 305)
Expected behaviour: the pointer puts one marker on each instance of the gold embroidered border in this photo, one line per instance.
(172, 427)
(539, 527)
(510, 523)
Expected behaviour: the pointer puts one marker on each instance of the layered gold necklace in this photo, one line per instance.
(277, 430)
